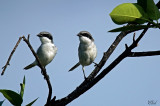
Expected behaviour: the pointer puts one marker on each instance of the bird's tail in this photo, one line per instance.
(30, 66)
(75, 66)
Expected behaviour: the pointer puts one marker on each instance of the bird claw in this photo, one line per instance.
(95, 64)
(85, 78)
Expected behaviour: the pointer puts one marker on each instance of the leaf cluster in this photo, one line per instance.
(15, 98)
(143, 11)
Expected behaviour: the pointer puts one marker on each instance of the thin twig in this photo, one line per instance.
(142, 54)
(7, 63)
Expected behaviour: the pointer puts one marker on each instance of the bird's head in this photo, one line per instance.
(85, 37)
(45, 37)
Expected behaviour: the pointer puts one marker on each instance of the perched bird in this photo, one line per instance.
(47, 50)
(87, 50)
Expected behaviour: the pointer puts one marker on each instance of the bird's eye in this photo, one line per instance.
(48, 36)
(87, 35)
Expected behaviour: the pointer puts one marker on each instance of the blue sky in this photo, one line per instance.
(134, 82)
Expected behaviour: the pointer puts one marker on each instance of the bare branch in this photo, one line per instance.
(122, 56)
(134, 44)
(7, 63)
(87, 84)
(84, 85)
(134, 37)
(43, 69)
(107, 54)
(142, 54)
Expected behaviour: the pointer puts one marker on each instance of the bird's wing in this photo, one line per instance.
(30, 66)
(75, 66)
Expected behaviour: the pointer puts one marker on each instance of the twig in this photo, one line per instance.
(7, 63)
(43, 69)
(142, 54)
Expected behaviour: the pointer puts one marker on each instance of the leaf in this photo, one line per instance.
(22, 87)
(143, 4)
(13, 97)
(129, 28)
(128, 13)
(30, 104)
(1, 102)
(150, 8)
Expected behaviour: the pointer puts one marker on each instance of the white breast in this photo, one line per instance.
(87, 53)
(46, 52)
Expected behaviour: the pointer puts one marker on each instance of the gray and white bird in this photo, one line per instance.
(87, 50)
(46, 52)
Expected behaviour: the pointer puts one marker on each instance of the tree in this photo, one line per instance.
(133, 25)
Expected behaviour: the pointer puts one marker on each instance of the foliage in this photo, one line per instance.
(128, 13)
(22, 87)
(135, 13)
(13, 97)
(30, 104)
(150, 8)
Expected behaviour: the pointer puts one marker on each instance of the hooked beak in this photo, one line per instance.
(79, 35)
(39, 35)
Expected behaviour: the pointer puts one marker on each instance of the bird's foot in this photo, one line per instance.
(95, 64)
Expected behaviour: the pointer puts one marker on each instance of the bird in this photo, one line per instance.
(87, 50)
(46, 51)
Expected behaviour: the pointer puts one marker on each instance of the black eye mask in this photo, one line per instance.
(48, 36)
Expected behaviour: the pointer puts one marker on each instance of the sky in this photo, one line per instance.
(133, 82)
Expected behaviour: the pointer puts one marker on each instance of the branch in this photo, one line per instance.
(125, 54)
(7, 63)
(108, 53)
(87, 84)
(82, 87)
(43, 69)
(142, 54)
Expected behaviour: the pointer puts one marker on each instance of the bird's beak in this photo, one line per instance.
(78, 35)
(39, 35)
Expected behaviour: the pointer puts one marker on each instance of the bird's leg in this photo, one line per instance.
(84, 73)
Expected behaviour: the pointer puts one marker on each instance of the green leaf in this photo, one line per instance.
(128, 13)
(150, 8)
(24, 80)
(13, 97)
(143, 4)
(30, 104)
(1, 102)
(22, 87)
(129, 28)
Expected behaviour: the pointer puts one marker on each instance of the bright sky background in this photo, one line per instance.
(134, 82)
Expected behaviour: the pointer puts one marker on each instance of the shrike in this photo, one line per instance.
(47, 50)
(87, 50)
